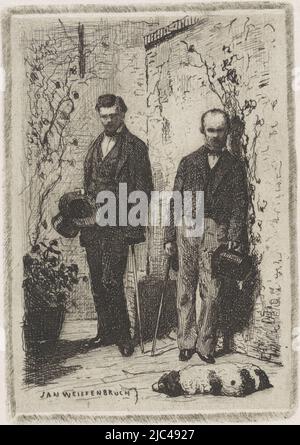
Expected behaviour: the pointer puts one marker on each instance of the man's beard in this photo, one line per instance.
(112, 132)
(216, 146)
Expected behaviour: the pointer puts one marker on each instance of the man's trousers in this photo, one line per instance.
(195, 255)
(107, 259)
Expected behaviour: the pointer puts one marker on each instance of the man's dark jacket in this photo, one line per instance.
(133, 168)
(225, 191)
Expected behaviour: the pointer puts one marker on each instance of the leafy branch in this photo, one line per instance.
(54, 74)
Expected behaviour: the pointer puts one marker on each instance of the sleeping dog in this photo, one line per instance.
(226, 379)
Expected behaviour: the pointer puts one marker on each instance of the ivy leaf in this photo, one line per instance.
(64, 116)
(33, 77)
(35, 248)
(57, 252)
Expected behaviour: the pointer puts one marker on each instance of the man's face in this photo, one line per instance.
(215, 131)
(111, 118)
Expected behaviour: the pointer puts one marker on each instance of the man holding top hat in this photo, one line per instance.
(213, 170)
(115, 157)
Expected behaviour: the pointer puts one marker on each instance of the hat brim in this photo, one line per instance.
(74, 205)
(64, 226)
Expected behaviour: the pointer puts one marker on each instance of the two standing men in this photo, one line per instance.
(117, 156)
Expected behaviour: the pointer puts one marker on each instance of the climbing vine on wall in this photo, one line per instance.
(56, 69)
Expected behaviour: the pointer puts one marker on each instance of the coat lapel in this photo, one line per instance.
(122, 145)
(200, 167)
(222, 168)
(91, 161)
(124, 148)
(95, 149)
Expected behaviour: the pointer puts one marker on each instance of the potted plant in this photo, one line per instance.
(48, 283)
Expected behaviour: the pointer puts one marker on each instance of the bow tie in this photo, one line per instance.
(214, 153)
(111, 135)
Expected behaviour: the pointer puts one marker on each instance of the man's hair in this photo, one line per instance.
(215, 111)
(110, 100)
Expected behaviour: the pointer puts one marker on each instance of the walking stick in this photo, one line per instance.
(160, 305)
(137, 298)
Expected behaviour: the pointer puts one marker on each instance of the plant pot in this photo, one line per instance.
(42, 328)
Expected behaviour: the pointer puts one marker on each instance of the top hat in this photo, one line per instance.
(231, 264)
(71, 205)
(75, 205)
(64, 226)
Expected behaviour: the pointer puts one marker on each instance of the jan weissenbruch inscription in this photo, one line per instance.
(131, 315)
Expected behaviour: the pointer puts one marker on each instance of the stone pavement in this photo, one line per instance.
(78, 380)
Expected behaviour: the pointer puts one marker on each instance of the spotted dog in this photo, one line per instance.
(227, 379)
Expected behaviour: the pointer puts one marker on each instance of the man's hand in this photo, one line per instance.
(84, 222)
(170, 248)
(234, 245)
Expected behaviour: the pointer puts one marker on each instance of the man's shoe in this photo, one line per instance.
(97, 342)
(186, 354)
(207, 358)
(126, 349)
